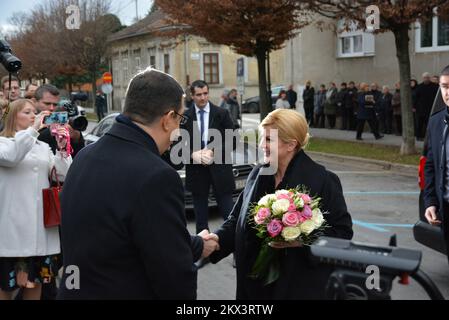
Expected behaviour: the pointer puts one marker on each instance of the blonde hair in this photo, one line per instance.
(15, 107)
(290, 124)
(3, 104)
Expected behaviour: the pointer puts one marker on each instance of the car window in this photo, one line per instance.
(276, 90)
(105, 126)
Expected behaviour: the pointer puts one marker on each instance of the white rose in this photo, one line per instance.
(307, 227)
(280, 206)
(291, 233)
(282, 191)
(264, 200)
(317, 218)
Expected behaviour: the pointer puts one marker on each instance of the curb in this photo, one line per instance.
(404, 169)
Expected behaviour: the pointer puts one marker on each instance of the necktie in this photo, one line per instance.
(203, 144)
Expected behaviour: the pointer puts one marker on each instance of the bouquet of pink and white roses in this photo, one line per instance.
(285, 217)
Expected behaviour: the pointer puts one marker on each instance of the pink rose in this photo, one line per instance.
(274, 228)
(283, 196)
(306, 198)
(292, 207)
(261, 215)
(306, 213)
(290, 219)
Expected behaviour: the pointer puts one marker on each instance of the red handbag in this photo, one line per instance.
(52, 206)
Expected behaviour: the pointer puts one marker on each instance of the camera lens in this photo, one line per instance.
(10, 62)
(79, 123)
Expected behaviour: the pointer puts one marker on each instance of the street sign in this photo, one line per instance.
(241, 76)
(106, 88)
(107, 77)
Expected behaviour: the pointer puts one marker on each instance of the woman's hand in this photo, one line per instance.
(62, 133)
(283, 245)
(39, 120)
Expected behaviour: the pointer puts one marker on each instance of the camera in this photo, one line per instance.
(57, 117)
(7, 59)
(352, 261)
(76, 120)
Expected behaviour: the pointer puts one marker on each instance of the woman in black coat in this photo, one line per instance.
(300, 278)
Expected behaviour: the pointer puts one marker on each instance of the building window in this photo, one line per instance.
(167, 63)
(432, 35)
(211, 68)
(125, 68)
(354, 43)
(153, 61)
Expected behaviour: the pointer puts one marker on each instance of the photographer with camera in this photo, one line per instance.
(47, 99)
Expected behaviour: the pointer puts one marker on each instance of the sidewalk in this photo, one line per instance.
(368, 137)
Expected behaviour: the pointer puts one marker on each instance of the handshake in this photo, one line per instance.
(210, 243)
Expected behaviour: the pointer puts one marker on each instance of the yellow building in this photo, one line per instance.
(186, 58)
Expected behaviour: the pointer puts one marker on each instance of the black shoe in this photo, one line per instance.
(379, 137)
(359, 138)
(202, 262)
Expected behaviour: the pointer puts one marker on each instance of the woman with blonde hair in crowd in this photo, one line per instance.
(299, 277)
(27, 248)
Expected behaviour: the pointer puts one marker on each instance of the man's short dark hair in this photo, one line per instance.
(198, 84)
(5, 79)
(151, 94)
(30, 84)
(39, 94)
(343, 84)
(445, 71)
(351, 82)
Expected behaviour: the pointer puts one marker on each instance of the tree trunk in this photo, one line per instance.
(403, 55)
(264, 103)
(94, 88)
(70, 83)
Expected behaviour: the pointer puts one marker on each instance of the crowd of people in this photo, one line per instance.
(380, 107)
(136, 244)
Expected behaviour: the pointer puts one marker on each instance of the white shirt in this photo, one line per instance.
(25, 165)
(206, 121)
(282, 104)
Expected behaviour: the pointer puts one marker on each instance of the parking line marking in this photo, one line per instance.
(378, 226)
(382, 193)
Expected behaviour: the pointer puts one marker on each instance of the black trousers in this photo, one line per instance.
(372, 124)
(201, 208)
(331, 119)
(309, 114)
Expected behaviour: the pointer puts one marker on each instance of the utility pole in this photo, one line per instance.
(137, 12)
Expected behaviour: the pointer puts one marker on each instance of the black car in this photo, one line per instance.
(243, 161)
(423, 232)
(251, 105)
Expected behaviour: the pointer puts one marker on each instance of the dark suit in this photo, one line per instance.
(123, 222)
(200, 178)
(435, 168)
(299, 277)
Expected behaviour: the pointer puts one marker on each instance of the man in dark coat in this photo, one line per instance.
(425, 95)
(202, 171)
(308, 96)
(47, 99)
(123, 220)
(436, 172)
(292, 97)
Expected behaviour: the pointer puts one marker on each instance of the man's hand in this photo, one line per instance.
(210, 243)
(431, 216)
(207, 157)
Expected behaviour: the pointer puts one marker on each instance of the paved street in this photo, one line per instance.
(373, 196)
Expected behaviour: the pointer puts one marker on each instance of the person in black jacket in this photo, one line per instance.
(202, 171)
(436, 191)
(47, 99)
(299, 277)
(123, 218)
(308, 96)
